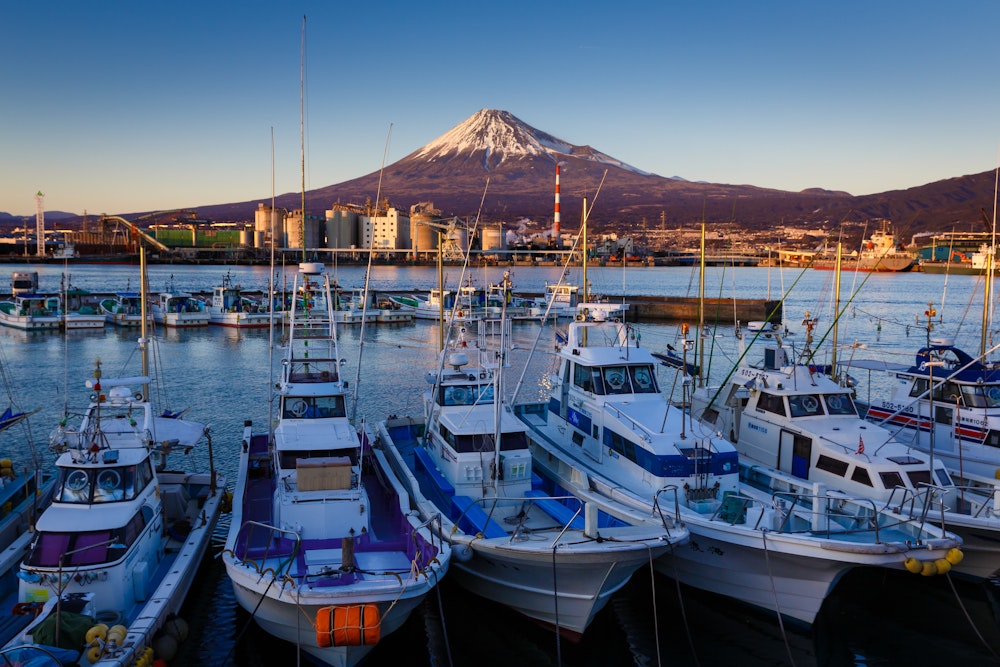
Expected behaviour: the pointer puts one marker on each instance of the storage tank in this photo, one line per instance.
(246, 238)
(270, 223)
(492, 238)
(423, 236)
(341, 228)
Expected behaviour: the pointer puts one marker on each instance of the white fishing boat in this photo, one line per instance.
(230, 308)
(324, 550)
(124, 309)
(32, 312)
(520, 539)
(963, 435)
(792, 417)
(116, 552)
(430, 306)
(25, 490)
(782, 549)
(180, 309)
(362, 305)
(81, 309)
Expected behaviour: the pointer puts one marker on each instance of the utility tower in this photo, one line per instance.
(40, 223)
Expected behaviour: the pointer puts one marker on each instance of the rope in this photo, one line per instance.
(972, 624)
(777, 606)
(555, 600)
(652, 588)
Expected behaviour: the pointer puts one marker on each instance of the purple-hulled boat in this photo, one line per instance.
(324, 550)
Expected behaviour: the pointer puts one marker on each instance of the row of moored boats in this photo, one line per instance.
(768, 488)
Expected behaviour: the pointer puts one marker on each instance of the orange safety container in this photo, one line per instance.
(348, 625)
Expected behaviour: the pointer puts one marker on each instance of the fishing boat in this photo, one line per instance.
(963, 435)
(962, 264)
(230, 308)
(180, 309)
(81, 309)
(794, 418)
(124, 309)
(520, 539)
(430, 306)
(32, 312)
(25, 490)
(324, 550)
(782, 549)
(115, 554)
(880, 252)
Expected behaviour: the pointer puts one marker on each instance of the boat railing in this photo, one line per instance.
(918, 502)
(978, 502)
(257, 543)
(434, 526)
(635, 426)
(550, 505)
(667, 519)
(819, 515)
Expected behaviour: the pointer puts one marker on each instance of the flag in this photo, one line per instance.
(861, 446)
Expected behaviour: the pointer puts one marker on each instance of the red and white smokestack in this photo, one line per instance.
(555, 223)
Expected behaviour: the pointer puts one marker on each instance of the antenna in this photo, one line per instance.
(40, 223)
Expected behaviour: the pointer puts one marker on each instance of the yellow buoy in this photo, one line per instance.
(929, 569)
(94, 653)
(99, 631)
(942, 565)
(913, 565)
(954, 555)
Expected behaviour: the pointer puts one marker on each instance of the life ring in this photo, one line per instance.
(810, 403)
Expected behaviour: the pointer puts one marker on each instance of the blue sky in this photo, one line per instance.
(114, 107)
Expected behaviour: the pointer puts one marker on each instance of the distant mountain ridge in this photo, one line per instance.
(519, 161)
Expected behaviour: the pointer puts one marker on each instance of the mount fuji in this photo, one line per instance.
(519, 161)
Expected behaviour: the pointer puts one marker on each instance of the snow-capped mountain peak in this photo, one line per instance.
(501, 136)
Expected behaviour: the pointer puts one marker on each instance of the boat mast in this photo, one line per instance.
(990, 263)
(701, 311)
(302, 130)
(143, 327)
(836, 310)
(583, 243)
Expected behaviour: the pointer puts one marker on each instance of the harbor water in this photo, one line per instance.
(872, 618)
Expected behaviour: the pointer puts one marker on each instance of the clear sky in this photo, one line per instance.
(115, 107)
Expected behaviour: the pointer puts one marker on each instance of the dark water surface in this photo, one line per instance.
(874, 618)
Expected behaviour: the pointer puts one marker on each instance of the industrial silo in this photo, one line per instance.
(341, 228)
(268, 223)
(424, 236)
(492, 236)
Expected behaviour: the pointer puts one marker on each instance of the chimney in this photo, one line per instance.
(555, 224)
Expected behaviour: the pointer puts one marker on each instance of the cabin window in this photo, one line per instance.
(620, 444)
(946, 392)
(987, 396)
(100, 485)
(75, 549)
(314, 407)
(616, 380)
(944, 479)
(992, 439)
(484, 442)
(771, 403)
(577, 438)
(804, 406)
(582, 377)
(919, 478)
(891, 479)
(840, 404)
(643, 379)
(861, 476)
(832, 465)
